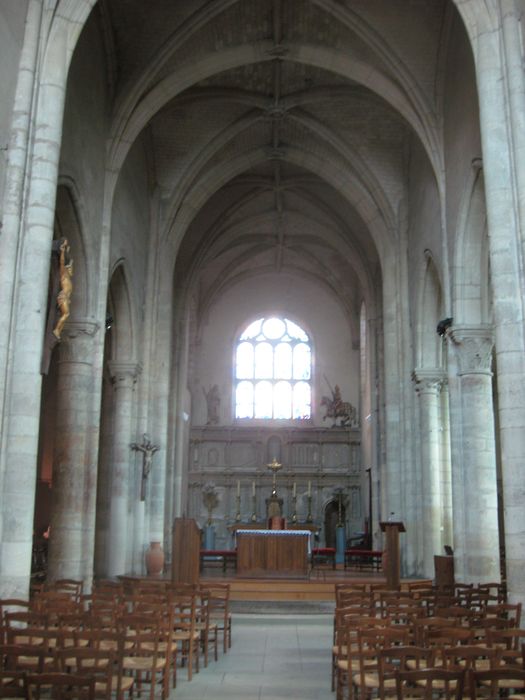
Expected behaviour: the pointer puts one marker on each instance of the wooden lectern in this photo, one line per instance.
(444, 571)
(185, 554)
(392, 530)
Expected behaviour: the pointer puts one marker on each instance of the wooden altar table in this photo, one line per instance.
(273, 553)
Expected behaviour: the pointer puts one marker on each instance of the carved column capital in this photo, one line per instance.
(473, 346)
(76, 344)
(124, 374)
(429, 381)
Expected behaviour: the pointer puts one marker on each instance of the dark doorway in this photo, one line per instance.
(331, 517)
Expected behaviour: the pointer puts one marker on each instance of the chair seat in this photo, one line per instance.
(126, 683)
(371, 680)
(182, 635)
(343, 665)
(142, 663)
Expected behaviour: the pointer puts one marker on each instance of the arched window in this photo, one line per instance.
(273, 370)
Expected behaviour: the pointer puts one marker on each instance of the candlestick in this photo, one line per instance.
(294, 490)
(253, 488)
(238, 513)
(309, 518)
(309, 489)
(254, 507)
(238, 488)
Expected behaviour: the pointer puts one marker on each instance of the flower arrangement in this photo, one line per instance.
(210, 498)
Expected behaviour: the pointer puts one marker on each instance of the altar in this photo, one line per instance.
(273, 553)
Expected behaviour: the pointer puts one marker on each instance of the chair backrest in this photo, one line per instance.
(401, 658)
(506, 638)
(430, 683)
(87, 661)
(509, 612)
(496, 683)
(60, 686)
(12, 684)
(468, 657)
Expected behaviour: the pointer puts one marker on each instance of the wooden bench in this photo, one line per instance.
(364, 559)
(225, 557)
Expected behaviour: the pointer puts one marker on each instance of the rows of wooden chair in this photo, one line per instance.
(121, 635)
(447, 640)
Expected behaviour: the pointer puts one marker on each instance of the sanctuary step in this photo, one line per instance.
(277, 589)
(282, 607)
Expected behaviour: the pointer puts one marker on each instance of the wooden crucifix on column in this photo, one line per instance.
(148, 449)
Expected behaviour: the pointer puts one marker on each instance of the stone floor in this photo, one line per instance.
(272, 657)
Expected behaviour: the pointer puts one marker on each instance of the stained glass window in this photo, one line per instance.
(273, 370)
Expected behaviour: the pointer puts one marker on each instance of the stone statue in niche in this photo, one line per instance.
(213, 402)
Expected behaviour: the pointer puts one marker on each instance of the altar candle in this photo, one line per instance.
(253, 488)
(238, 488)
(309, 488)
(294, 489)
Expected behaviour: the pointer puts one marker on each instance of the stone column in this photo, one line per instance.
(67, 556)
(476, 537)
(499, 121)
(428, 389)
(28, 278)
(124, 376)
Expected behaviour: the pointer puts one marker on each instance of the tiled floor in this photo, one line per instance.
(272, 657)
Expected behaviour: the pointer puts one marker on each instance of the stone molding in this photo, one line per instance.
(124, 374)
(473, 346)
(429, 381)
(76, 344)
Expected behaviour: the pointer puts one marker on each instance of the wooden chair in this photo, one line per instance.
(448, 636)
(16, 662)
(207, 627)
(71, 587)
(346, 623)
(86, 661)
(60, 686)
(369, 644)
(469, 657)
(401, 658)
(13, 605)
(12, 684)
(508, 639)
(219, 606)
(497, 683)
(142, 637)
(509, 612)
(107, 641)
(430, 684)
(185, 633)
(157, 605)
(37, 640)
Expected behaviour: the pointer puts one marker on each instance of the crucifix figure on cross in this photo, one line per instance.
(148, 449)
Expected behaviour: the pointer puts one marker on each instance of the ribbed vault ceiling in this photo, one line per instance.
(279, 131)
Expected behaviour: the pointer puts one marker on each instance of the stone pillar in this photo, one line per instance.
(28, 279)
(67, 555)
(476, 537)
(124, 376)
(428, 389)
(499, 112)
